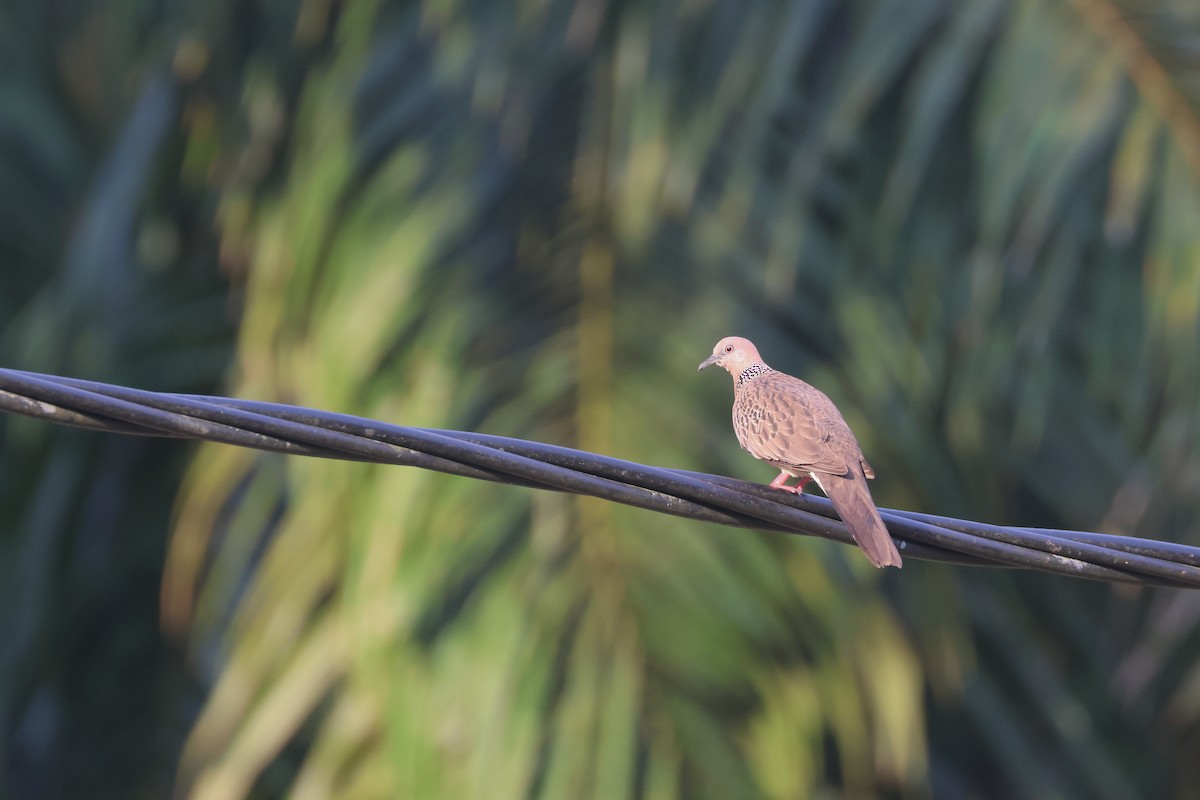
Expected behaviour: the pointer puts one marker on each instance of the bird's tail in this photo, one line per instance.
(852, 501)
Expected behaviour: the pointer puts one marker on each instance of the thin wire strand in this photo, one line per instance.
(293, 430)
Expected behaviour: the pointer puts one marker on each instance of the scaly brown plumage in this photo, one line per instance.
(797, 429)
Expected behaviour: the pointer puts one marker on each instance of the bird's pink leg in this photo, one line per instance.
(781, 480)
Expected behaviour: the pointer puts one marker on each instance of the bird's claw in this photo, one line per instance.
(781, 483)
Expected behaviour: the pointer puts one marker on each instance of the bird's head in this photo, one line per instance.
(733, 354)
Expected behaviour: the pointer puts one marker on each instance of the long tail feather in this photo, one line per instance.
(852, 501)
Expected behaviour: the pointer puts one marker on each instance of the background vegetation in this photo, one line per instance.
(973, 223)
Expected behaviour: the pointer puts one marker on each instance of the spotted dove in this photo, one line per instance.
(797, 429)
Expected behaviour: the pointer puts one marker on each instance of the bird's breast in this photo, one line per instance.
(756, 426)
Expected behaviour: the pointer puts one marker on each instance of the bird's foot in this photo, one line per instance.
(780, 482)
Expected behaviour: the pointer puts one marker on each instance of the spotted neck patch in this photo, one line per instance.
(753, 371)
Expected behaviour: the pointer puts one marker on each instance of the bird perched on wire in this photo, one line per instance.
(797, 429)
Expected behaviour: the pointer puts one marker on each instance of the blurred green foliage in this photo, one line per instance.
(974, 224)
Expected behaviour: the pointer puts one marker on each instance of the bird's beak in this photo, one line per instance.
(708, 362)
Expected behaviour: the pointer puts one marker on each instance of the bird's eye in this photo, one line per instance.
(728, 348)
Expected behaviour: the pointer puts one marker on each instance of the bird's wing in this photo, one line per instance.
(787, 422)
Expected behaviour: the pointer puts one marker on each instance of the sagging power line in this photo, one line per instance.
(299, 431)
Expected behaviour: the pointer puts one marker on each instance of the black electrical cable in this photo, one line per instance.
(709, 498)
